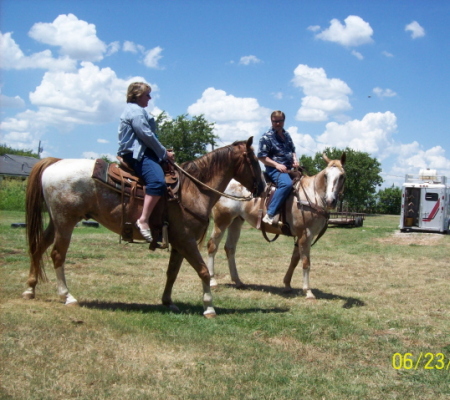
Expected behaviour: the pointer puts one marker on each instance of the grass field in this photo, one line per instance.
(379, 329)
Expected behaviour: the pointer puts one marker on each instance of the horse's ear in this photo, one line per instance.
(343, 158)
(249, 142)
(326, 158)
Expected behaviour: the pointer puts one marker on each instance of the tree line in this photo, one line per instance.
(5, 149)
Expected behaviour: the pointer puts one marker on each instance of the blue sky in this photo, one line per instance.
(370, 75)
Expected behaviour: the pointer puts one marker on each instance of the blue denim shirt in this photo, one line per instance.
(137, 133)
(271, 145)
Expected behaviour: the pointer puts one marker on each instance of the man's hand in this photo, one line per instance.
(281, 168)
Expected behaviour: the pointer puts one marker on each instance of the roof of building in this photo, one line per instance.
(12, 165)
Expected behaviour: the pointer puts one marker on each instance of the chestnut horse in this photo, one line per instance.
(69, 193)
(307, 220)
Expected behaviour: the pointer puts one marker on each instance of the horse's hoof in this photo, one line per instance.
(173, 308)
(28, 296)
(240, 285)
(209, 315)
(287, 289)
(213, 282)
(73, 304)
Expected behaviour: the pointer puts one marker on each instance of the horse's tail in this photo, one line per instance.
(34, 208)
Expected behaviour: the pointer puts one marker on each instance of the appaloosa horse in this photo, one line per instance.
(307, 220)
(69, 193)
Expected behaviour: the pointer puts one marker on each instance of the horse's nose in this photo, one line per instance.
(331, 202)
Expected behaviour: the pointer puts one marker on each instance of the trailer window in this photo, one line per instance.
(431, 196)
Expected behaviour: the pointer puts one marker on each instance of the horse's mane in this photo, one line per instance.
(212, 163)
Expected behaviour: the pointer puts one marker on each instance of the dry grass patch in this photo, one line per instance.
(376, 295)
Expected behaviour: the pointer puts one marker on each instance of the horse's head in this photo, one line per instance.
(248, 171)
(335, 178)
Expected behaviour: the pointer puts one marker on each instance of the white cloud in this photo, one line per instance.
(387, 54)
(324, 96)
(76, 38)
(313, 28)
(411, 158)
(278, 95)
(88, 96)
(11, 102)
(354, 32)
(22, 132)
(131, 47)
(384, 92)
(372, 134)
(102, 141)
(152, 57)
(14, 58)
(236, 118)
(247, 60)
(304, 143)
(358, 55)
(112, 48)
(416, 30)
(92, 155)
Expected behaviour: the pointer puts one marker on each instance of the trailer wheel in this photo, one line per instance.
(358, 221)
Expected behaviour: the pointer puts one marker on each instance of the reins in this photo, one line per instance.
(229, 196)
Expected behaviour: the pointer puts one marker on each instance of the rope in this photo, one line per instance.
(229, 196)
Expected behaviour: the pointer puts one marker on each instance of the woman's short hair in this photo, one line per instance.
(278, 114)
(135, 90)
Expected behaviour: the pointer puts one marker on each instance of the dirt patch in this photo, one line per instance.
(408, 238)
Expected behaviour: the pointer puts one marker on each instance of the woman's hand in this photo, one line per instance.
(171, 155)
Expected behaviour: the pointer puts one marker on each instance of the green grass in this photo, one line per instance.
(12, 194)
(378, 293)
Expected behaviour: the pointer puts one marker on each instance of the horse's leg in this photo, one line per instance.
(194, 258)
(189, 250)
(171, 276)
(213, 246)
(301, 252)
(234, 232)
(58, 255)
(295, 258)
(48, 237)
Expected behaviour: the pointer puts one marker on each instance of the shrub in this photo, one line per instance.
(12, 194)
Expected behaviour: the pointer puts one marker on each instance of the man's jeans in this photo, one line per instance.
(284, 187)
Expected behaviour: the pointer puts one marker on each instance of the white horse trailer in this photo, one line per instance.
(425, 203)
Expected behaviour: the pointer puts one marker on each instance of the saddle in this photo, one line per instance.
(280, 218)
(121, 178)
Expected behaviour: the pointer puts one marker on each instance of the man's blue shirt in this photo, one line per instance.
(278, 150)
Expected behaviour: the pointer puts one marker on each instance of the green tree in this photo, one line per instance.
(309, 165)
(362, 172)
(389, 201)
(188, 138)
(4, 149)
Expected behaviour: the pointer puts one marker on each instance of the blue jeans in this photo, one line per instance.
(150, 171)
(284, 187)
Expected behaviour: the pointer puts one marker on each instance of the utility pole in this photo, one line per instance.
(40, 149)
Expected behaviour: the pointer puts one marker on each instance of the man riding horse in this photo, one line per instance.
(277, 153)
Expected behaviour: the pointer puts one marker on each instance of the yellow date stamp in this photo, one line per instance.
(423, 360)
